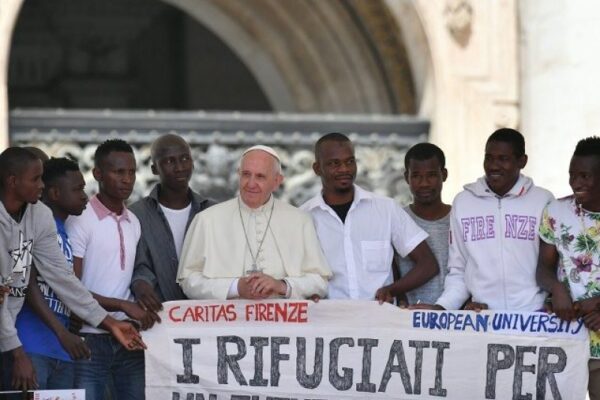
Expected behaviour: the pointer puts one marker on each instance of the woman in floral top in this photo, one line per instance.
(569, 263)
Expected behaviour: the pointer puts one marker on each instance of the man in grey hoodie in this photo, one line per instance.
(28, 236)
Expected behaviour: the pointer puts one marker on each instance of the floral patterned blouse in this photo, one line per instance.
(576, 234)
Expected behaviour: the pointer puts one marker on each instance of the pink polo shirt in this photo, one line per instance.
(107, 243)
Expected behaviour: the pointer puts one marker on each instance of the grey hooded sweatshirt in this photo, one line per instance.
(33, 241)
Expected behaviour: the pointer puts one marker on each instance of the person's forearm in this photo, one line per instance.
(18, 352)
(59, 276)
(107, 323)
(546, 277)
(143, 273)
(38, 304)
(416, 277)
(425, 267)
(109, 303)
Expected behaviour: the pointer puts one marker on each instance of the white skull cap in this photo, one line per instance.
(266, 149)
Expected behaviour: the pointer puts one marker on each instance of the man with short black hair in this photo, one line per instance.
(493, 226)
(359, 230)
(104, 240)
(569, 260)
(43, 321)
(165, 215)
(28, 235)
(425, 172)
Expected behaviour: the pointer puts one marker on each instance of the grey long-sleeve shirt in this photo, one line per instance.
(33, 240)
(156, 259)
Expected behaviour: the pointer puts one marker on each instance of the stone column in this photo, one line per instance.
(9, 10)
(561, 78)
(471, 78)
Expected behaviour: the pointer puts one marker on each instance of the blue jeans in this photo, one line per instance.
(111, 365)
(51, 373)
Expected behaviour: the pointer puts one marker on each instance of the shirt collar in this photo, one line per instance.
(196, 199)
(264, 208)
(60, 224)
(154, 193)
(520, 187)
(359, 195)
(103, 212)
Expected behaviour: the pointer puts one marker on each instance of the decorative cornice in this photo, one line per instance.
(89, 126)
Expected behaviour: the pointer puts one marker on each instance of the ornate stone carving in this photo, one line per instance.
(380, 142)
(459, 18)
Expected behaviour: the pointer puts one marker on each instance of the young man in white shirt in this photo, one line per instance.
(104, 239)
(359, 230)
(165, 215)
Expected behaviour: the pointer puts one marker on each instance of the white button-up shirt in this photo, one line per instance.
(360, 250)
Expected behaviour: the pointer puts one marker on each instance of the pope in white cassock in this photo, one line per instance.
(253, 246)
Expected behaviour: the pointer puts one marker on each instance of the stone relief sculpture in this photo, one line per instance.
(459, 18)
(381, 169)
(217, 140)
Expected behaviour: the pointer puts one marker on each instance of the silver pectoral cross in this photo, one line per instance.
(253, 269)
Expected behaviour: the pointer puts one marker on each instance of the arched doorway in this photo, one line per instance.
(345, 56)
(302, 56)
(124, 54)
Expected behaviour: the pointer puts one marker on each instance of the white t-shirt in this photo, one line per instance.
(360, 250)
(177, 222)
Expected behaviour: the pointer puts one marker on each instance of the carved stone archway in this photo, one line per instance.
(343, 56)
(316, 56)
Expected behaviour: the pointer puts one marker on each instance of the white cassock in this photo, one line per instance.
(215, 251)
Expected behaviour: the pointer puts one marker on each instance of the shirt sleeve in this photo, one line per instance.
(190, 274)
(78, 234)
(233, 289)
(143, 268)
(547, 229)
(9, 339)
(455, 289)
(9, 308)
(315, 270)
(52, 265)
(406, 234)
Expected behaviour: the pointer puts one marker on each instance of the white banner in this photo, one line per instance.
(64, 394)
(284, 349)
